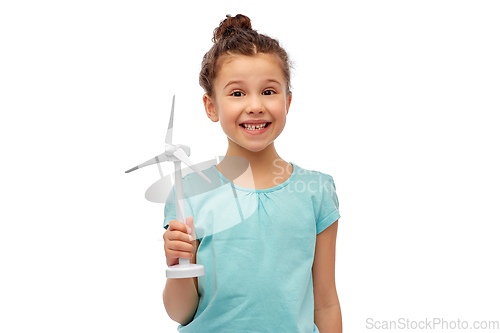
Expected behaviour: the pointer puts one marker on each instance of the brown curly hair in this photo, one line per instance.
(235, 35)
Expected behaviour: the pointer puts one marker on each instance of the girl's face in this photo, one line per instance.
(249, 90)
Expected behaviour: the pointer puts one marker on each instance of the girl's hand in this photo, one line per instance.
(179, 241)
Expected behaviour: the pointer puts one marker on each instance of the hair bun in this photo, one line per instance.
(230, 26)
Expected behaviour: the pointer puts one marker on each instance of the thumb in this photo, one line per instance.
(190, 224)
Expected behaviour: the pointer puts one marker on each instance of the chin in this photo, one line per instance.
(256, 149)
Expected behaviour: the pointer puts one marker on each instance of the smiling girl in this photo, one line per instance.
(274, 271)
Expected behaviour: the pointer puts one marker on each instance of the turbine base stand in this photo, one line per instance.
(185, 271)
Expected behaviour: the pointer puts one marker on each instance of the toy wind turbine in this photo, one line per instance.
(177, 153)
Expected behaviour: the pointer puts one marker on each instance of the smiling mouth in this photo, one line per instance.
(255, 127)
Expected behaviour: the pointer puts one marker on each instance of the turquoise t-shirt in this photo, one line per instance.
(257, 247)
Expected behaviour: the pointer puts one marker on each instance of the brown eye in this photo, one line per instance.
(237, 94)
(268, 92)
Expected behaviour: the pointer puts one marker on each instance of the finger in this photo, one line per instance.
(177, 225)
(179, 236)
(190, 226)
(179, 246)
(172, 255)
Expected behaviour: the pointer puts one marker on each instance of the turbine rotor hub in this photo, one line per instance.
(170, 149)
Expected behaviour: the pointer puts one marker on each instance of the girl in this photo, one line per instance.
(266, 237)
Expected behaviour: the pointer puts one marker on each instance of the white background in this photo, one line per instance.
(397, 100)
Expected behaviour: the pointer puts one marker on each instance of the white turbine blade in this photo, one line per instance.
(158, 192)
(180, 154)
(162, 157)
(168, 138)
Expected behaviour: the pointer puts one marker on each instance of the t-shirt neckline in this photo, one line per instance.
(271, 189)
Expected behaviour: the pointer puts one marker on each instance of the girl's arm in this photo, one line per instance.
(180, 296)
(327, 316)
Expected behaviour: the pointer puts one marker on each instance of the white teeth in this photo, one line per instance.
(254, 127)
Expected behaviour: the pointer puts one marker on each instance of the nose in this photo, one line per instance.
(255, 104)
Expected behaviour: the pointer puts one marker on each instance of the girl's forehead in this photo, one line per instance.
(258, 64)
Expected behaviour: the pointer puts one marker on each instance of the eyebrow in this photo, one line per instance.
(273, 80)
(232, 82)
(239, 81)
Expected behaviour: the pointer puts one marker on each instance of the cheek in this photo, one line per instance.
(228, 124)
(280, 111)
(281, 125)
(280, 118)
(228, 117)
(279, 105)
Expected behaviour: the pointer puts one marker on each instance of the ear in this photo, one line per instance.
(288, 102)
(210, 110)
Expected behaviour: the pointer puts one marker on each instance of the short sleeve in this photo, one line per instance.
(329, 206)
